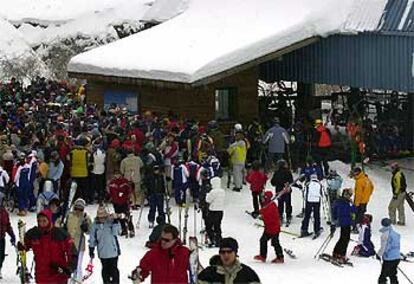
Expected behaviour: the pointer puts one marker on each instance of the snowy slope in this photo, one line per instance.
(213, 36)
(304, 270)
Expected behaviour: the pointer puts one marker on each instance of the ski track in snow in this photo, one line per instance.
(305, 269)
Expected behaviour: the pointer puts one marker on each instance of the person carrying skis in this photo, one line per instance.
(155, 184)
(398, 185)
(342, 216)
(215, 198)
(53, 249)
(120, 194)
(313, 196)
(365, 247)
(271, 220)
(389, 252)
(227, 268)
(167, 261)
(5, 227)
(46, 196)
(362, 193)
(103, 235)
(257, 179)
(281, 177)
(78, 224)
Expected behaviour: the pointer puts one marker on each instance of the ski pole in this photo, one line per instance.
(323, 246)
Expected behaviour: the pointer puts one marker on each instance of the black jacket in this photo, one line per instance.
(280, 177)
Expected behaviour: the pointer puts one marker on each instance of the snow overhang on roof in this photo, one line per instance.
(214, 36)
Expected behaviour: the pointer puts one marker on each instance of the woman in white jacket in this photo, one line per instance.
(215, 198)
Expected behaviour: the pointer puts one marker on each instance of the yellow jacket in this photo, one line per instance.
(363, 189)
(238, 152)
(79, 158)
(43, 169)
(73, 224)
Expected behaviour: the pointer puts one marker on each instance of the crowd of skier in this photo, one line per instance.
(59, 155)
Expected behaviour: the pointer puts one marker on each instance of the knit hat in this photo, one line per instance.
(79, 203)
(229, 243)
(386, 222)
(102, 212)
(268, 196)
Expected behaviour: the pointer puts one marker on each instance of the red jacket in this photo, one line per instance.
(257, 180)
(166, 266)
(120, 190)
(5, 225)
(139, 136)
(271, 219)
(54, 247)
(323, 137)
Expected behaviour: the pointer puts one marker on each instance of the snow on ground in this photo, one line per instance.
(304, 270)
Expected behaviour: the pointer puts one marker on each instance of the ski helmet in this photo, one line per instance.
(238, 127)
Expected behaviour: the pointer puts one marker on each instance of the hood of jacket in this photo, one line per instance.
(215, 182)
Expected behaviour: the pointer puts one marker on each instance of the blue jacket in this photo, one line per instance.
(390, 244)
(334, 182)
(342, 212)
(104, 236)
(276, 137)
(308, 171)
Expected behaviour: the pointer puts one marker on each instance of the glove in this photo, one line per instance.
(20, 246)
(84, 227)
(333, 229)
(13, 240)
(91, 252)
(60, 269)
(135, 275)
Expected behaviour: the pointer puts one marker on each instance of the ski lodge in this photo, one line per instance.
(205, 60)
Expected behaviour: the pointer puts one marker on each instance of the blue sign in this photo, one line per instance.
(121, 99)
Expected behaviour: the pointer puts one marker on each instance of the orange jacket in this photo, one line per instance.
(363, 189)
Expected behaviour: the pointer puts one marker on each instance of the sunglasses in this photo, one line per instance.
(225, 251)
(78, 209)
(166, 240)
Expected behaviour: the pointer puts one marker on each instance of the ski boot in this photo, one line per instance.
(131, 234)
(278, 260)
(304, 234)
(260, 258)
(288, 221)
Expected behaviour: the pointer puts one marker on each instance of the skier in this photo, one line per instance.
(228, 268)
(365, 247)
(22, 181)
(56, 168)
(215, 198)
(399, 185)
(156, 232)
(167, 261)
(103, 235)
(5, 227)
(119, 194)
(389, 252)
(257, 179)
(342, 216)
(194, 179)
(79, 224)
(311, 168)
(278, 138)
(179, 174)
(98, 171)
(46, 196)
(313, 195)
(271, 220)
(154, 182)
(53, 249)
(281, 177)
(131, 168)
(334, 182)
(79, 161)
(362, 193)
(237, 152)
(34, 169)
(322, 143)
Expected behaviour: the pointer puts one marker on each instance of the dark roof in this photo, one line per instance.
(398, 17)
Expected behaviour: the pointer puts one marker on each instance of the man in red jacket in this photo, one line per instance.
(271, 220)
(322, 143)
(167, 262)
(54, 251)
(120, 191)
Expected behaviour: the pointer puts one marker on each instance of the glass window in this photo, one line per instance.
(224, 103)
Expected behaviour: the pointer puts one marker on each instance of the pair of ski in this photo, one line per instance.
(329, 258)
(407, 257)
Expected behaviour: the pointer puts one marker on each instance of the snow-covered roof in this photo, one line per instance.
(213, 36)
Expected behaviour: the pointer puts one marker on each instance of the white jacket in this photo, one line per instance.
(216, 196)
(99, 162)
(314, 191)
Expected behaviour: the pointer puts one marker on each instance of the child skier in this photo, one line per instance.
(215, 198)
(365, 247)
(313, 195)
(257, 179)
(271, 220)
(120, 192)
(5, 227)
(46, 196)
(342, 216)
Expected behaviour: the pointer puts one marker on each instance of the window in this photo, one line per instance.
(224, 103)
